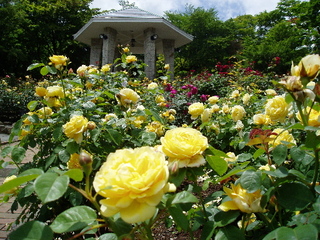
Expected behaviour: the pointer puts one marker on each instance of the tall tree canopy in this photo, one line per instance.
(32, 30)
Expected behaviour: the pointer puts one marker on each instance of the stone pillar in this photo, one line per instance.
(168, 52)
(109, 46)
(95, 51)
(150, 53)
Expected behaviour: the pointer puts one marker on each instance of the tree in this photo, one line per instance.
(211, 38)
(43, 28)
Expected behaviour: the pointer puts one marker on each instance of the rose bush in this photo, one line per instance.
(110, 148)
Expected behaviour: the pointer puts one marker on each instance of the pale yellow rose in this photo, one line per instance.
(261, 119)
(44, 112)
(167, 66)
(160, 99)
(231, 157)
(75, 128)
(225, 109)
(292, 83)
(235, 94)
(282, 137)
(132, 181)
(213, 99)
(314, 117)
(152, 85)
(237, 113)
(246, 98)
(53, 102)
(110, 116)
(206, 115)
(41, 91)
(155, 127)
(271, 92)
(131, 58)
(82, 70)
(185, 146)
(105, 68)
(277, 109)
(55, 91)
(126, 49)
(239, 125)
(8, 179)
(93, 70)
(23, 133)
(59, 61)
(215, 108)
(309, 66)
(195, 110)
(242, 200)
(128, 97)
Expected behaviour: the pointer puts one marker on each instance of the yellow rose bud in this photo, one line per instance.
(41, 91)
(160, 99)
(131, 58)
(91, 125)
(126, 49)
(184, 145)
(235, 94)
(213, 99)
(309, 66)
(55, 91)
(82, 70)
(105, 68)
(167, 66)
(59, 61)
(44, 112)
(271, 92)
(152, 85)
(8, 179)
(132, 181)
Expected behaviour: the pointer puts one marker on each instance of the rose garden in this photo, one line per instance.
(120, 155)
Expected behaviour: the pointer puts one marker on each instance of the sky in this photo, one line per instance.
(226, 8)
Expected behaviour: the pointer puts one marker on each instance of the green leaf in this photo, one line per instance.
(179, 217)
(50, 186)
(6, 150)
(207, 231)
(280, 234)
(64, 156)
(229, 233)
(33, 230)
(251, 181)
(44, 70)
(217, 163)
(18, 153)
(312, 139)
(108, 236)
(229, 174)
(72, 147)
(244, 157)
(73, 219)
(57, 132)
(279, 154)
(148, 138)
(308, 231)
(89, 106)
(34, 65)
(16, 182)
(294, 196)
(75, 174)
(115, 136)
(184, 197)
(32, 105)
(222, 219)
(258, 153)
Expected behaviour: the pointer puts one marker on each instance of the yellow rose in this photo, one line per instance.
(59, 61)
(309, 66)
(213, 99)
(128, 97)
(195, 110)
(53, 102)
(237, 113)
(225, 109)
(133, 182)
(167, 66)
(8, 179)
(277, 109)
(242, 200)
(231, 157)
(126, 49)
(271, 92)
(246, 98)
(206, 115)
(44, 112)
(215, 108)
(105, 68)
(160, 99)
(292, 83)
(75, 127)
(261, 119)
(235, 94)
(155, 127)
(184, 145)
(55, 91)
(282, 137)
(131, 58)
(73, 162)
(152, 85)
(81, 71)
(41, 91)
(314, 117)
(93, 70)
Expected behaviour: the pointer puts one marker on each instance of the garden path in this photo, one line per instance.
(6, 217)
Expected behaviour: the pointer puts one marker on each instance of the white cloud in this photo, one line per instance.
(225, 8)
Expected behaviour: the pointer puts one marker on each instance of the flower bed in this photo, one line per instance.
(120, 155)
